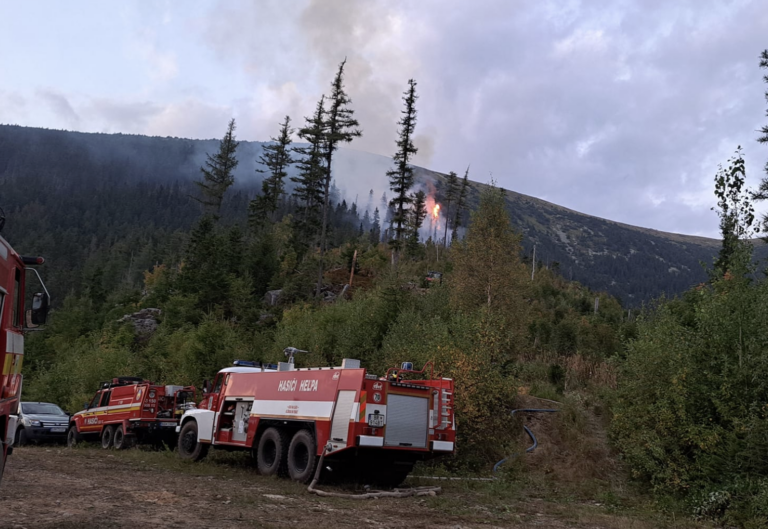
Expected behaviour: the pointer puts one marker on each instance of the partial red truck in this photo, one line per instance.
(128, 410)
(374, 427)
(15, 320)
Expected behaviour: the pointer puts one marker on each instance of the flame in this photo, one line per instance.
(436, 211)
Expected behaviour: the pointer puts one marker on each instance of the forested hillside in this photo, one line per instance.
(129, 197)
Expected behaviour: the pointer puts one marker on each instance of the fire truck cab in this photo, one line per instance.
(128, 409)
(14, 322)
(378, 427)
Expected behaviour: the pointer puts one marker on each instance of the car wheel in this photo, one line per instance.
(302, 456)
(107, 436)
(270, 456)
(189, 447)
(73, 437)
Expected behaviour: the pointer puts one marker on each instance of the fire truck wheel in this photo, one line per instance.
(107, 436)
(270, 458)
(302, 456)
(119, 440)
(189, 447)
(73, 437)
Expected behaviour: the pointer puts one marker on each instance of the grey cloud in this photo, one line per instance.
(617, 110)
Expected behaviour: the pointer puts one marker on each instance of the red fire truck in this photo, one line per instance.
(287, 417)
(127, 410)
(14, 321)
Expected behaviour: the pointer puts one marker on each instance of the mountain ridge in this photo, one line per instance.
(633, 263)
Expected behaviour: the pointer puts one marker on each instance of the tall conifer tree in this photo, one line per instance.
(340, 126)
(401, 177)
(461, 204)
(277, 158)
(417, 215)
(451, 194)
(311, 179)
(218, 173)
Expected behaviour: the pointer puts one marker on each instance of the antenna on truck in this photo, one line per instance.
(290, 351)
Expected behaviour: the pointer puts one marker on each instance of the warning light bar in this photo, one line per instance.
(27, 260)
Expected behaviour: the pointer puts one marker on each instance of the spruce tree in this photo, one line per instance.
(762, 192)
(340, 126)
(311, 179)
(376, 227)
(417, 215)
(451, 194)
(218, 173)
(461, 204)
(401, 177)
(276, 156)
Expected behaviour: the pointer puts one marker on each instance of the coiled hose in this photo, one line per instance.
(527, 430)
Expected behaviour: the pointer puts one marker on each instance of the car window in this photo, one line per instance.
(95, 402)
(40, 408)
(105, 398)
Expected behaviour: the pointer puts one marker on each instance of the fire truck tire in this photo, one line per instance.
(120, 441)
(73, 436)
(302, 456)
(188, 445)
(107, 437)
(271, 454)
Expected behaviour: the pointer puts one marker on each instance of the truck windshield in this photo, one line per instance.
(40, 408)
(95, 401)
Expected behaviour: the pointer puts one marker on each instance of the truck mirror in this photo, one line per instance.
(206, 386)
(40, 305)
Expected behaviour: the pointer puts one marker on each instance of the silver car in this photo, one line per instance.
(41, 421)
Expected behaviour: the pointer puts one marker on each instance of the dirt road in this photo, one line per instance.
(56, 487)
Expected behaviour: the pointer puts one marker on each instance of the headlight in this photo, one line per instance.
(35, 423)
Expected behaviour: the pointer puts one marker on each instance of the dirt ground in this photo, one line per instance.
(56, 487)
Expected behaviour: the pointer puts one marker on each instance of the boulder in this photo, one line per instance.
(144, 322)
(272, 297)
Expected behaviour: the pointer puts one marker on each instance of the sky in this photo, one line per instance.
(620, 109)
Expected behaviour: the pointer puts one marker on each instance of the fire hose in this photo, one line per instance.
(528, 431)
(397, 493)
